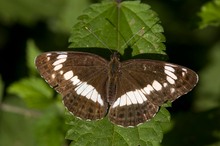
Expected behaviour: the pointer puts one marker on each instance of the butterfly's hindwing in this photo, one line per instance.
(80, 78)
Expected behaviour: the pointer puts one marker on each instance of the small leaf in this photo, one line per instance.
(32, 52)
(34, 91)
(118, 26)
(210, 14)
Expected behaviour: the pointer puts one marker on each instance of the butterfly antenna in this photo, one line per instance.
(140, 31)
(104, 44)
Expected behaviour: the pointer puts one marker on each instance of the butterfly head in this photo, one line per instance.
(115, 56)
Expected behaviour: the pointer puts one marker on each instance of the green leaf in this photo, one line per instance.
(102, 132)
(210, 14)
(32, 52)
(34, 91)
(50, 128)
(118, 26)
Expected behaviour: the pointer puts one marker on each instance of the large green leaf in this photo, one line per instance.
(117, 26)
(102, 132)
(32, 52)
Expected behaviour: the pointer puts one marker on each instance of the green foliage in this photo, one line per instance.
(119, 25)
(16, 129)
(103, 132)
(32, 52)
(210, 14)
(33, 91)
(50, 127)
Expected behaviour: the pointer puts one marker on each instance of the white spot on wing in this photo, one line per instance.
(75, 80)
(80, 88)
(94, 96)
(138, 97)
(169, 68)
(131, 96)
(172, 75)
(144, 66)
(116, 103)
(87, 90)
(165, 84)
(156, 85)
(185, 70)
(61, 56)
(61, 72)
(100, 101)
(58, 67)
(148, 89)
(183, 74)
(142, 95)
(172, 90)
(48, 54)
(170, 80)
(128, 101)
(123, 100)
(53, 76)
(68, 75)
(59, 61)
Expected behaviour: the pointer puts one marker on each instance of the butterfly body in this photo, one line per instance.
(113, 76)
(128, 92)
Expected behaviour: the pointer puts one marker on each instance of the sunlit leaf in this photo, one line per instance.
(32, 52)
(118, 26)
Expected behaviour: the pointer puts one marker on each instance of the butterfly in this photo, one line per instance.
(128, 93)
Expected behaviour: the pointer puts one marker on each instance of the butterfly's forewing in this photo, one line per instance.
(80, 78)
(144, 85)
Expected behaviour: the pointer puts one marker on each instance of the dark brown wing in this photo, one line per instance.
(144, 85)
(80, 78)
